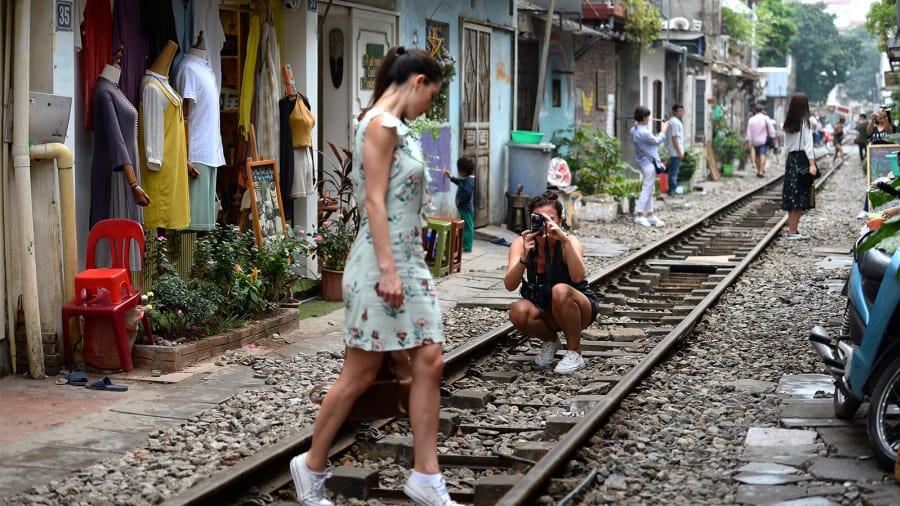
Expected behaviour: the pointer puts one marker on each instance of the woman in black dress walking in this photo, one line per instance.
(798, 193)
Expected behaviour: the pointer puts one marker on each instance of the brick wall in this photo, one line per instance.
(602, 57)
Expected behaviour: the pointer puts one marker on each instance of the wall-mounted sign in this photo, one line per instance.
(372, 59)
(64, 15)
(312, 5)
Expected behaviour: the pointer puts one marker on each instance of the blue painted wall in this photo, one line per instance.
(560, 57)
(413, 14)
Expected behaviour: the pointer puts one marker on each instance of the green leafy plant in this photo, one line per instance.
(425, 124)
(441, 103)
(593, 156)
(620, 186)
(276, 261)
(688, 165)
(333, 244)
(881, 21)
(774, 30)
(642, 22)
(886, 238)
(737, 26)
(728, 148)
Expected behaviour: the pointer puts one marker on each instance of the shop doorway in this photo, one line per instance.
(354, 42)
(476, 112)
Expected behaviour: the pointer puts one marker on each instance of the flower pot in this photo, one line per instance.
(331, 285)
(727, 170)
(290, 303)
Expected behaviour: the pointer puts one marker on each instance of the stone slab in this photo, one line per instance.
(796, 423)
(769, 436)
(846, 441)
(751, 386)
(765, 494)
(176, 410)
(767, 468)
(60, 458)
(805, 385)
(835, 262)
(807, 501)
(807, 408)
(489, 489)
(837, 469)
(787, 455)
(886, 494)
(768, 479)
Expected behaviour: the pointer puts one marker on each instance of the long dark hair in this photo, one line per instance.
(798, 112)
(400, 64)
(547, 199)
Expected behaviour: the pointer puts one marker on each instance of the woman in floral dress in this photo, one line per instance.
(389, 294)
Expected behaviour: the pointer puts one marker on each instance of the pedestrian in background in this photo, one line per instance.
(879, 127)
(646, 154)
(798, 194)
(465, 198)
(862, 138)
(675, 146)
(390, 302)
(759, 130)
(838, 140)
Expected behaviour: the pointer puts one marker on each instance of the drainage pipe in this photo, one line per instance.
(6, 315)
(22, 165)
(64, 163)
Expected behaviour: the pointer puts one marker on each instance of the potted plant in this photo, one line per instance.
(688, 168)
(339, 225)
(593, 156)
(333, 244)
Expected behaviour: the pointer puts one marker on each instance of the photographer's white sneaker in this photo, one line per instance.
(656, 222)
(642, 221)
(548, 353)
(572, 361)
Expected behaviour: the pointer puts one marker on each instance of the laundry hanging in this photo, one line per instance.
(96, 38)
(249, 77)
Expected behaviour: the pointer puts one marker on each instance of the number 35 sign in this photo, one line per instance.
(64, 15)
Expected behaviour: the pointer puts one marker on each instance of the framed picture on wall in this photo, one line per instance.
(600, 90)
(265, 200)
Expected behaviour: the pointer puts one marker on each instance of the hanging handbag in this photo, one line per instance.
(386, 397)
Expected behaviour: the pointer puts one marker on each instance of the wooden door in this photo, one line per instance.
(476, 112)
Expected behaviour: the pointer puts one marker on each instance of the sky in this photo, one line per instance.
(849, 12)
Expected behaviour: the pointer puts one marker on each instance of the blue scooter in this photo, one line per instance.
(865, 357)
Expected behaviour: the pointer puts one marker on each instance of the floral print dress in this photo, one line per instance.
(372, 324)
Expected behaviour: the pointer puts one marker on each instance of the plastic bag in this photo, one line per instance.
(559, 173)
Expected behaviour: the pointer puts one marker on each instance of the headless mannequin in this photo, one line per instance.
(198, 50)
(112, 72)
(161, 66)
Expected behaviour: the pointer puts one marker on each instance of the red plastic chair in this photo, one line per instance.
(119, 234)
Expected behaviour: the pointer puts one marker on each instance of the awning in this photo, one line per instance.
(564, 24)
(682, 35)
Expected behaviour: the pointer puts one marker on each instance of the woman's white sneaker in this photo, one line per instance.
(571, 362)
(310, 486)
(656, 222)
(642, 221)
(425, 495)
(548, 353)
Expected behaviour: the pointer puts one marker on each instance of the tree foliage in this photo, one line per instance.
(642, 22)
(864, 66)
(775, 29)
(881, 21)
(820, 53)
(737, 26)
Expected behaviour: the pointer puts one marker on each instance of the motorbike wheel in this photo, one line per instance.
(845, 406)
(883, 423)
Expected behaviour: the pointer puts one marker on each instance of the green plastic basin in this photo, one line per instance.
(526, 137)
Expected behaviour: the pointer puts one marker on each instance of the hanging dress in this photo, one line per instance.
(163, 152)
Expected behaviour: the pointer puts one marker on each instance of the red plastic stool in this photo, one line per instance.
(89, 283)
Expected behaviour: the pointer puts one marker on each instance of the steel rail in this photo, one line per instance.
(258, 468)
(536, 478)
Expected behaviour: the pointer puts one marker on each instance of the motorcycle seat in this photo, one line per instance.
(873, 264)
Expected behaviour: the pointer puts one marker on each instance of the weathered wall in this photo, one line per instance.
(589, 109)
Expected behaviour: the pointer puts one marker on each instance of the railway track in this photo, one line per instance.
(502, 448)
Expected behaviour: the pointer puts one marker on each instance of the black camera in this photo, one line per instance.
(537, 223)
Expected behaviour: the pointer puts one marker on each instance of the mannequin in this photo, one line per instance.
(115, 187)
(163, 149)
(196, 83)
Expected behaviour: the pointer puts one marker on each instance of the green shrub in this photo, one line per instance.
(688, 165)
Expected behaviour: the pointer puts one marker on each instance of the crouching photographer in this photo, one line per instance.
(548, 263)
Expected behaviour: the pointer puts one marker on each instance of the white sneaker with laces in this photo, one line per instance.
(656, 222)
(571, 362)
(548, 353)
(642, 221)
(434, 495)
(310, 487)
(799, 236)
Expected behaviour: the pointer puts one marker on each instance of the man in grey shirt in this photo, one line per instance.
(675, 146)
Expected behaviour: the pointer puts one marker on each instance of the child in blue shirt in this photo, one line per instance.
(465, 198)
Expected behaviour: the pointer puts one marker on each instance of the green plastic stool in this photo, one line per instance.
(437, 250)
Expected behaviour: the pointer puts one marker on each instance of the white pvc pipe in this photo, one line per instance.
(64, 163)
(22, 164)
(5, 13)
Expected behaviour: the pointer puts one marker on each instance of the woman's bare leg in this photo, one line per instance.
(360, 369)
(793, 221)
(572, 310)
(425, 405)
(526, 318)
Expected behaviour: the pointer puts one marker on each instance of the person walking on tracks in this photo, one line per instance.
(798, 193)
(549, 264)
(759, 131)
(646, 155)
(389, 294)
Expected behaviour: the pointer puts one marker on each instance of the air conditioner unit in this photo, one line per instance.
(696, 25)
(679, 24)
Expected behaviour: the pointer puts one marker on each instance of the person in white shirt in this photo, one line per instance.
(675, 145)
(797, 194)
(759, 130)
